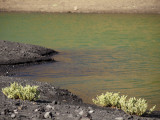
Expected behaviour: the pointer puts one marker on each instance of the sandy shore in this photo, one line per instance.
(82, 6)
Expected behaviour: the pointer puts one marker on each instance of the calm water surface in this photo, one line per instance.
(98, 52)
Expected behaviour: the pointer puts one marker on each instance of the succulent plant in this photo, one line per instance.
(131, 106)
(17, 91)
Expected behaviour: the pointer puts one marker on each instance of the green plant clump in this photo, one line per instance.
(17, 91)
(131, 106)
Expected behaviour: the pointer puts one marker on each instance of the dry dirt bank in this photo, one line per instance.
(82, 6)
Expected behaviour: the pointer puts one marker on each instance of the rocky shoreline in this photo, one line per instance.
(54, 103)
(13, 53)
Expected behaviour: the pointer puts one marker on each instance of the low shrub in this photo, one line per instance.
(17, 91)
(135, 106)
(131, 106)
(107, 100)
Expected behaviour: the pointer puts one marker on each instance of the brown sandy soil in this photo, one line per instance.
(82, 6)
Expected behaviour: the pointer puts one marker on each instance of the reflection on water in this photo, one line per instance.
(98, 52)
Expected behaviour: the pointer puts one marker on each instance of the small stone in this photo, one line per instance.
(20, 108)
(23, 107)
(86, 114)
(36, 110)
(130, 117)
(17, 103)
(67, 112)
(13, 115)
(35, 119)
(70, 115)
(5, 112)
(75, 8)
(54, 102)
(41, 109)
(59, 103)
(81, 112)
(49, 107)
(34, 103)
(57, 113)
(91, 111)
(40, 116)
(85, 118)
(90, 108)
(15, 111)
(77, 118)
(22, 117)
(64, 100)
(119, 118)
(78, 107)
(48, 115)
(77, 111)
(2, 113)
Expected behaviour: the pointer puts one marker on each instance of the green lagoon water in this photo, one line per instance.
(98, 52)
